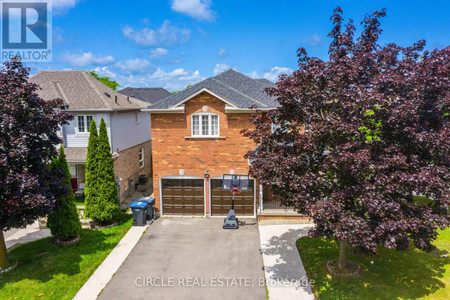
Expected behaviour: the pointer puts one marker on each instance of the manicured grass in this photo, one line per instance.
(48, 271)
(393, 275)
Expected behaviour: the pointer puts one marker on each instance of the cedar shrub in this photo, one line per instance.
(64, 222)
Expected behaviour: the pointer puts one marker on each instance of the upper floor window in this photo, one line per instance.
(141, 157)
(205, 124)
(137, 118)
(83, 123)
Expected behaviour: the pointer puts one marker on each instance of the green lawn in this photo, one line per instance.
(48, 271)
(393, 275)
(79, 201)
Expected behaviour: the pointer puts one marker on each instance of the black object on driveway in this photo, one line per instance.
(235, 184)
(150, 208)
(139, 209)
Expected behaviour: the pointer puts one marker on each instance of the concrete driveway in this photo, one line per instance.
(192, 258)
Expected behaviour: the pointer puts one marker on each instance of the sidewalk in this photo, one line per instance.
(95, 284)
(285, 275)
(20, 236)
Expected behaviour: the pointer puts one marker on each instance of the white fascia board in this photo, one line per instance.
(229, 109)
(174, 110)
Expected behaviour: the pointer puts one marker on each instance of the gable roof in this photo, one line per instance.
(80, 91)
(150, 95)
(234, 88)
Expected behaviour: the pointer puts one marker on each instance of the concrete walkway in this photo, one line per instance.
(95, 284)
(285, 275)
(31, 233)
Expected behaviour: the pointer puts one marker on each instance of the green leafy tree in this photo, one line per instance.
(105, 80)
(104, 203)
(63, 222)
(91, 168)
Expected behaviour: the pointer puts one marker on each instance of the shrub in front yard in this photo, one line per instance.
(91, 167)
(102, 202)
(63, 222)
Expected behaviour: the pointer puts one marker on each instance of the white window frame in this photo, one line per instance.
(141, 159)
(137, 116)
(86, 125)
(200, 125)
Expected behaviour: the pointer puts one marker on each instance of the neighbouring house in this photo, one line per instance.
(150, 95)
(196, 138)
(128, 127)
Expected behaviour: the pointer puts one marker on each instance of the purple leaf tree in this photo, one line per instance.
(28, 138)
(359, 137)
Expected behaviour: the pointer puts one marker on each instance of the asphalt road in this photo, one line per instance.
(192, 258)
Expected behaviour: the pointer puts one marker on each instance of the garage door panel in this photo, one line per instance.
(221, 200)
(183, 196)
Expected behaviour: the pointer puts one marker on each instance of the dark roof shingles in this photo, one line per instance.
(150, 95)
(240, 90)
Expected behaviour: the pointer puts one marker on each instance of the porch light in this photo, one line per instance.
(206, 174)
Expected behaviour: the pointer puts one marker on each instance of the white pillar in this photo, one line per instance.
(260, 197)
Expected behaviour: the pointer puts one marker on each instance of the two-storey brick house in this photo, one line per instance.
(128, 127)
(196, 138)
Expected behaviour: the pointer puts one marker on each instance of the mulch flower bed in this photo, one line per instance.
(70, 241)
(9, 268)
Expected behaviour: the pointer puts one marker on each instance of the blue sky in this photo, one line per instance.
(173, 43)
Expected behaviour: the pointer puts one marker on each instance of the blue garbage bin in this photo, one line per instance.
(139, 209)
(150, 208)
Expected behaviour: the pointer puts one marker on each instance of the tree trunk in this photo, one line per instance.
(342, 254)
(4, 260)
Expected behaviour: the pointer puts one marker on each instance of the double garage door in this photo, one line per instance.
(186, 197)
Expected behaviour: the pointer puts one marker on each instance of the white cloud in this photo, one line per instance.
(313, 40)
(61, 6)
(167, 34)
(178, 72)
(253, 75)
(273, 74)
(174, 80)
(85, 59)
(158, 52)
(105, 71)
(131, 66)
(221, 52)
(221, 68)
(198, 9)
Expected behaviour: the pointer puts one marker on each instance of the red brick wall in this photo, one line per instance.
(174, 149)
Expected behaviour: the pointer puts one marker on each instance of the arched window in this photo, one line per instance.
(205, 124)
